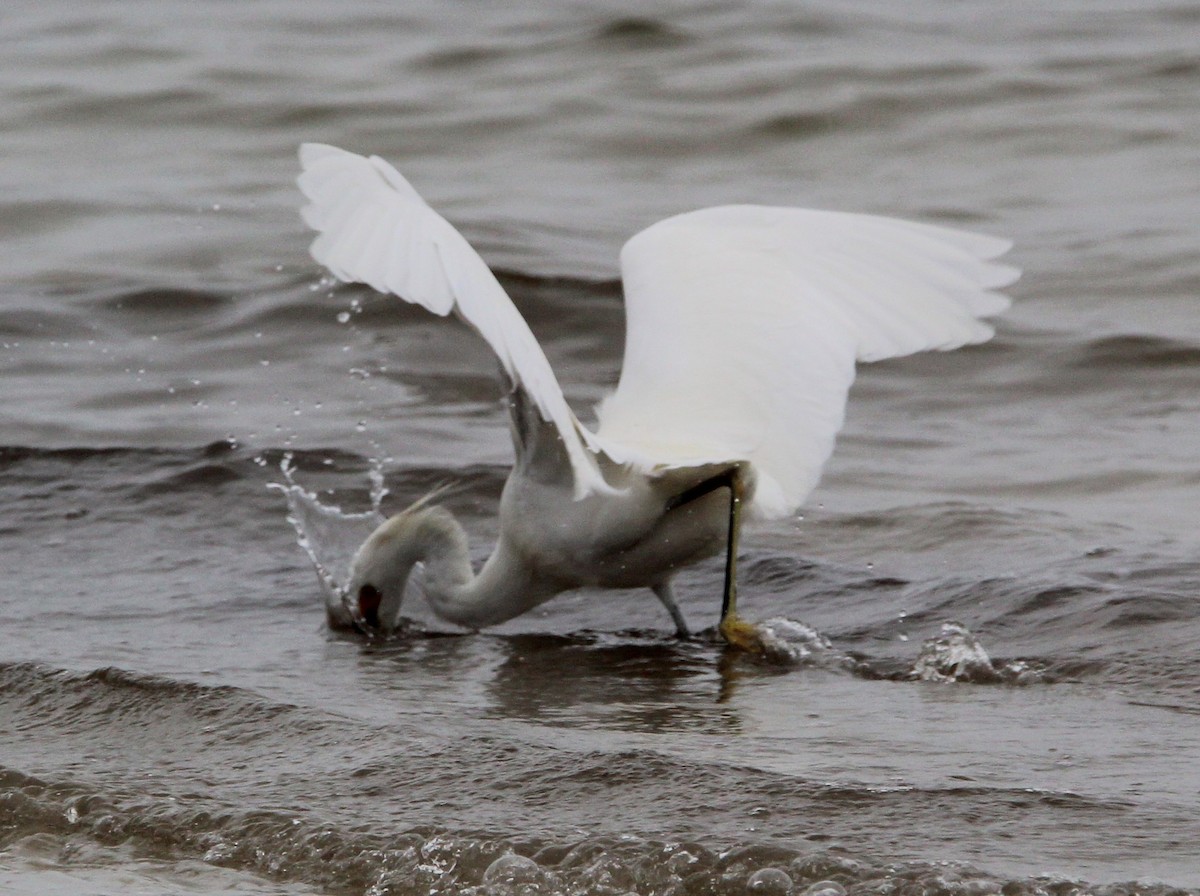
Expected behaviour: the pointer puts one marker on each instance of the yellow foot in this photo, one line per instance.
(741, 634)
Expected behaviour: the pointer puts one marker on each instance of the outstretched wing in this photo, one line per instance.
(743, 325)
(374, 228)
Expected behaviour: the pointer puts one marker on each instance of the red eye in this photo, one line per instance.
(369, 599)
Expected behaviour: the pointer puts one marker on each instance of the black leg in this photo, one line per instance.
(729, 596)
(733, 630)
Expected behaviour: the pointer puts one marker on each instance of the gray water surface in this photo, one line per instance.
(175, 717)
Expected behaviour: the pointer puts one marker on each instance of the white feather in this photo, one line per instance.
(374, 228)
(743, 325)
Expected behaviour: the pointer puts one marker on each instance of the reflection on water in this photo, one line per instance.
(627, 682)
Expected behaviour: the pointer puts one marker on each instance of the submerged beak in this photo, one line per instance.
(369, 599)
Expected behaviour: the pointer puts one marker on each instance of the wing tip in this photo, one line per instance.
(1001, 275)
(311, 153)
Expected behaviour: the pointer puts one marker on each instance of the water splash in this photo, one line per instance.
(330, 536)
(792, 641)
(956, 655)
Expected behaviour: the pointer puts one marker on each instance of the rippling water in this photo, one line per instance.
(174, 716)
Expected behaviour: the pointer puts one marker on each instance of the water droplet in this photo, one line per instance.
(770, 882)
(343, 317)
(265, 363)
(512, 869)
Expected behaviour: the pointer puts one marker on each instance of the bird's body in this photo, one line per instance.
(744, 324)
(626, 537)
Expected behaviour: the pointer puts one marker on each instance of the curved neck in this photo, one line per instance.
(504, 588)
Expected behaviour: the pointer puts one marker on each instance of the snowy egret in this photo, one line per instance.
(743, 326)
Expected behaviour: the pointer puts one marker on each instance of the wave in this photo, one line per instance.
(1136, 351)
(284, 847)
(238, 781)
(640, 33)
(225, 459)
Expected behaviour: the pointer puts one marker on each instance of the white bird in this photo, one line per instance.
(743, 326)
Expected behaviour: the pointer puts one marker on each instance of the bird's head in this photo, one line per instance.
(379, 573)
(380, 569)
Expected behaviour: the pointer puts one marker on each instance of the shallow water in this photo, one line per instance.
(174, 715)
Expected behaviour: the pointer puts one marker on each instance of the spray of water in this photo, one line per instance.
(330, 536)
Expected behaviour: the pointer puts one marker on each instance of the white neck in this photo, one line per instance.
(504, 588)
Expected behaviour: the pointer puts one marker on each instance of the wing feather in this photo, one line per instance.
(744, 323)
(743, 326)
(374, 228)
